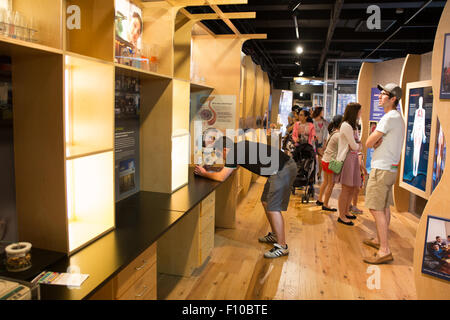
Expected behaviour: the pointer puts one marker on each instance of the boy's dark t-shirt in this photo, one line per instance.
(258, 158)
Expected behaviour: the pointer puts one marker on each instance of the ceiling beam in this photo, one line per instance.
(248, 36)
(285, 8)
(333, 23)
(222, 16)
(201, 25)
(229, 15)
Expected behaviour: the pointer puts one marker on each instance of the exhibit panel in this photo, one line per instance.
(414, 173)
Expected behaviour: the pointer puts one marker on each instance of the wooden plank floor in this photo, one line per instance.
(325, 260)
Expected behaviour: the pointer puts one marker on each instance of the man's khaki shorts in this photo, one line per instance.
(379, 189)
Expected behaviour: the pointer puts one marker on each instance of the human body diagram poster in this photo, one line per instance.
(417, 146)
(217, 111)
(212, 116)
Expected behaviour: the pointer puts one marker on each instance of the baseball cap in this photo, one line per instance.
(393, 89)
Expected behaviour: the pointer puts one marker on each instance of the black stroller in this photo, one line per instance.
(305, 157)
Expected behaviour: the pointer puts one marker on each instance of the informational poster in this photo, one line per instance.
(127, 110)
(445, 80)
(318, 100)
(212, 116)
(376, 112)
(343, 100)
(218, 111)
(440, 154)
(417, 146)
(372, 127)
(129, 27)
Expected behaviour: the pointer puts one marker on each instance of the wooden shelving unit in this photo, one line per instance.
(64, 121)
(195, 87)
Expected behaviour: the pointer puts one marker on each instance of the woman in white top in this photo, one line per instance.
(331, 150)
(348, 151)
(321, 126)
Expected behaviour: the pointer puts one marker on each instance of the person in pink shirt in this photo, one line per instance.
(304, 132)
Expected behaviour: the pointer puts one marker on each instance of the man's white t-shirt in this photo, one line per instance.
(387, 155)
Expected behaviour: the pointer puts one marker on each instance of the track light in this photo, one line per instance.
(295, 8)
(298, 63)
(301, 73)
(299, 49)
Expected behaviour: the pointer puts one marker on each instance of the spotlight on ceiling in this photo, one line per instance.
(399, 10)
(299, 49)
(298, 63)
(301, 73)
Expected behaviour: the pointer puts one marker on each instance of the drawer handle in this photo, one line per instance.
(141, 267)
(143, 292)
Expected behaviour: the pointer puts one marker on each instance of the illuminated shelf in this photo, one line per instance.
(74, 152)
(90, 197)
(89, 106)
(83, 233)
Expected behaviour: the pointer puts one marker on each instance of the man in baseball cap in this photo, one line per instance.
(387, 140)
(393, 89)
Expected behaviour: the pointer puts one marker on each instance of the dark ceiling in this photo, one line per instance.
(342, 22)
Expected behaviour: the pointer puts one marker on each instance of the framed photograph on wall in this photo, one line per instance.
(417, 154)
(436, 252)
(445, 78)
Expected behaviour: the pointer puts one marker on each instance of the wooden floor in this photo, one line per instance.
(325, 260)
